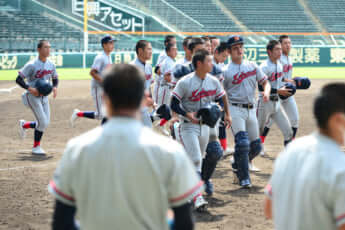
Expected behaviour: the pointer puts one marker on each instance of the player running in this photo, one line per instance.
(101, 62)
(32, 72)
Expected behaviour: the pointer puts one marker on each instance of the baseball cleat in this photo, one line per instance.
(209, 187)
(74, 116)
(200, 204)
(22, 131)
(38, 151)
(163, 131)
(262, 153)
(245, 183)
(253, 168)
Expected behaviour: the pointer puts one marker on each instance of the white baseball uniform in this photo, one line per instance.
(163, 93)
(240, 82)
(272, 109)
(307, 187)
(147, 68)
(124, 176)
(101, 62)
(193, 94)
(32, 71)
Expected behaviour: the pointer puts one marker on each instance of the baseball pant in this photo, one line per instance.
(244, 120)
(97, 94)
(291, 110)
(146, 117)
(194, 139)
(273, 110)
(163, 95)
(40, 108)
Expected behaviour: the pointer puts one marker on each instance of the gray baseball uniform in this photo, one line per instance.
(147, 68)
(32, 71)
(163, 93)
(272, 109)
(195, 93)
(100, 63)
(240, 82)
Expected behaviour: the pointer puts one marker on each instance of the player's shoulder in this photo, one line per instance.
(50, 63)
(78, 144)
(211, 78)
(265, 63)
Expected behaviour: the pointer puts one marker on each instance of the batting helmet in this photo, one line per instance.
(44, 87)
(290, 86)
(164, 112)
(210, 114)
(302, 82)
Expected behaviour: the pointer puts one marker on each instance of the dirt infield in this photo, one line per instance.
(26, 204)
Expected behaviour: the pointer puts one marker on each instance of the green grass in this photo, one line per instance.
(82, 74)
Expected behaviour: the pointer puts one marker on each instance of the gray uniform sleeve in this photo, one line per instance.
(220, 91)
(182, 188)
(260, 75)
(27, 71)
(61, 184)
(97, 64)
(179, 91)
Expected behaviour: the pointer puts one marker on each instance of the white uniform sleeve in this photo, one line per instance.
(97, 64)
(61, 184)
(260, 76)
(179, 91)
(220, 91)
(184, 181)
(27, 71)
(338, 193)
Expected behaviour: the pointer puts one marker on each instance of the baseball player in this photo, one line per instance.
(188, 53)
(215, 42)
(122, 175)
(143, 50)
(39, 68)
(191, 93)
(207, 44)
(272, 109)
(289, 104)
(101, 62)
(307, 187)
(169, 39)
(240, 80)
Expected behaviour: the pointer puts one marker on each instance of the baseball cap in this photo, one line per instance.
(234, 40)
(107, 39)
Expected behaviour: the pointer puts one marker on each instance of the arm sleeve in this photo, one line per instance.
(181, 188)
(97, 64)
(54, 74)
(21, 82)
(175, 106)
(27, 71)
(63, 217)
(220, 90)
(55, 82)
(61, 185)
(183, 219)
(179, 90)
(260, 76)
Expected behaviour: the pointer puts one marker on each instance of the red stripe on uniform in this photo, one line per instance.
(339, 218)
(190, 192)
(221, 94)
(53, 186)
(175, 94)
(163, 96)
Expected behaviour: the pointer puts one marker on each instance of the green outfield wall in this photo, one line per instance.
(301, 56)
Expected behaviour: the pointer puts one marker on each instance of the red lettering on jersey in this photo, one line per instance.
(239, 78)
(275, 76)
(197, 95)
(42, 73)
(287, 68)
(148, 76)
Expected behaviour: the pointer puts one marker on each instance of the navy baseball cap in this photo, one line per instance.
(107, 39)
(234, 40)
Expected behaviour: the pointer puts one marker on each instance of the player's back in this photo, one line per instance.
(123, 177)
(307, 179)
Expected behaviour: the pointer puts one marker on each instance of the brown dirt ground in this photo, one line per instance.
(26, 204)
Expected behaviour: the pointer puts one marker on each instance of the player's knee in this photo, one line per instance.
(43, 124)
(242, 143)
(255, 148)
(196, 160)
(214, 151)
